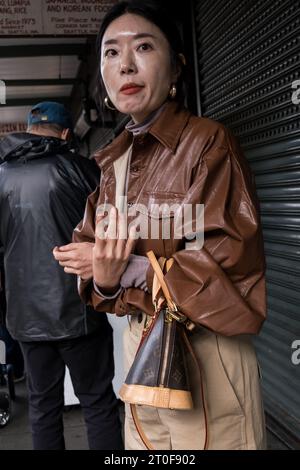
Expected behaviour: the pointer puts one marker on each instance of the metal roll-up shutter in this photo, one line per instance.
(248, 58)
(99, 137)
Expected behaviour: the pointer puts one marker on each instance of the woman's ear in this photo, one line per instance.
(180, 63)
(182, 59)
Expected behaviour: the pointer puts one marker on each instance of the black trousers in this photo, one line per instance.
(90, 361)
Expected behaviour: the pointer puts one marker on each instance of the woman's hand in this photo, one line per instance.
(76, 258)
(112, 250)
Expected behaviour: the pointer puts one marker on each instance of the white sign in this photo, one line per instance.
(13, 127)
(2, 92)
(296, 94)
(52, 17)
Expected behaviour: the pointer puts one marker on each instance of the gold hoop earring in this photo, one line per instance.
(108, 104)
(173, 92)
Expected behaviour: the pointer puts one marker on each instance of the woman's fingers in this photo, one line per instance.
(100, 241)
(131, 241)
(69, 247)
(62, 256)
(65, 252)
(70, 264)
(122, 235)
(115, 242)
(112, 229)
(122, 226)
(69, 270)
(76, 252)
(78, 272)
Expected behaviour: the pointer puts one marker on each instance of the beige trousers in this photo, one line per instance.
(232, 395)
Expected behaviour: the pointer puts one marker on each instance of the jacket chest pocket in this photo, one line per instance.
(158, 216)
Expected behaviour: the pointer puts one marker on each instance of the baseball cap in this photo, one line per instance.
(50, 112)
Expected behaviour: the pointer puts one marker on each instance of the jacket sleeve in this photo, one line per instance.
(222, 285)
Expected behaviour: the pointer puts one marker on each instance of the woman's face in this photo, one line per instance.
(136, 66)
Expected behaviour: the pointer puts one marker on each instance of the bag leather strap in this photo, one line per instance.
(139, 428)
(157, 298)
(158, 280)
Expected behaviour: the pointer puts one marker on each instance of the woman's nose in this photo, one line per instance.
(128, 66)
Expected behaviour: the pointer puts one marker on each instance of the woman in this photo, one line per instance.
(165, 156)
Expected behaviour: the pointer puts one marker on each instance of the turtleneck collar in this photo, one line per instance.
(142, 127)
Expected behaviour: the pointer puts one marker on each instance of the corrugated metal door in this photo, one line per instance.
(248, 58)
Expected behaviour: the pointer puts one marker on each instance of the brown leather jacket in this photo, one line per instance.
(186, 159)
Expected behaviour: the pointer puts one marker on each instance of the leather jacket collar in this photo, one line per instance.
(167, 135)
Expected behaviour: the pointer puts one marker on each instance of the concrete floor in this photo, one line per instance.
(16, 434)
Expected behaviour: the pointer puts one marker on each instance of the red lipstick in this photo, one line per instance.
(130, 88)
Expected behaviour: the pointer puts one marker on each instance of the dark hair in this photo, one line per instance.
(157, 15)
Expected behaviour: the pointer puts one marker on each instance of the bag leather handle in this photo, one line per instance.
(159, 281)
(157, 297)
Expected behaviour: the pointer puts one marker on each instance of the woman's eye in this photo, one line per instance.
(110, 53)
(145, 47)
